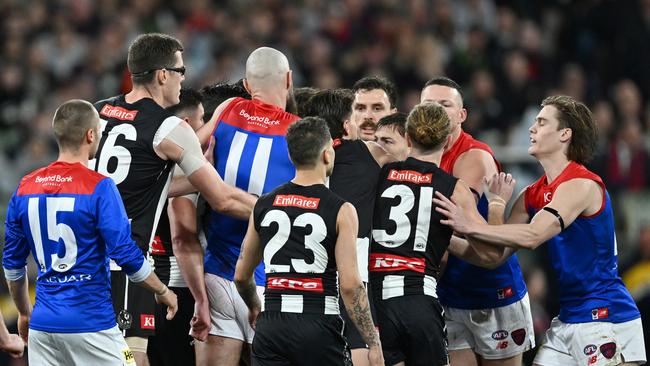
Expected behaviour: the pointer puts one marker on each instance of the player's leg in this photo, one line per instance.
(106, 347)
(424, 337)
(42, 349)
(138, 346)
(460, 340)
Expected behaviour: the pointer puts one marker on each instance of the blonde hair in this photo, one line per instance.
(428, 126)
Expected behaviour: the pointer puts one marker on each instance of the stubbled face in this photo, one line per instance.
(545, 138)
(172, 86)
(390, 139)
(450, 100)
(368, 108)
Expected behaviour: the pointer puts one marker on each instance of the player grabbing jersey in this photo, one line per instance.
(497, 296)
(72, 220)
(408, 243)
(306, 236)
(569, 209)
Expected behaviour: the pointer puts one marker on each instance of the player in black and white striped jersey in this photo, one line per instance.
(307, 238)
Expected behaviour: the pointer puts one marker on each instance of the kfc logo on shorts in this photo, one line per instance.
(499, 335)
(504, 293)
(608, 350)
(590, 349)
(600, 313)
(147, 321)
(518, 336)
(409, 176)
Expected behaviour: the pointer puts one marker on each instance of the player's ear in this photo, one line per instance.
(566, 134)
(409, 143)
(289, 80)
(247, 87)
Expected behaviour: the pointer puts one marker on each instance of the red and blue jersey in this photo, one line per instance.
(584, 256)
(72, 220)
(250, 153)
(464, 285)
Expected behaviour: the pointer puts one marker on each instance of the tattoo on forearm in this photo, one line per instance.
(360, 314)
(248, 293)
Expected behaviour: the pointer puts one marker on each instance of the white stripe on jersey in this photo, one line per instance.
(165, 128)
(332, 305)
(234, 155)
(291, 304)
(260, 166)
(393, 286)
(161, 205)
(175, 277)
(430, 285)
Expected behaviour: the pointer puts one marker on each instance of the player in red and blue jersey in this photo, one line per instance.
(569, 209)
(73, 221)
(467, 291)
(250, 153)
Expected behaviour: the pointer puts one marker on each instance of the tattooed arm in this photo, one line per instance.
(352, 289)
(249, 257)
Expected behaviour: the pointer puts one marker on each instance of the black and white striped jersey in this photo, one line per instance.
(408, 240)
(297, 229)
(129, 134)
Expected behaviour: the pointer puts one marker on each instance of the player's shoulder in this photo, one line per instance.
(60, 177)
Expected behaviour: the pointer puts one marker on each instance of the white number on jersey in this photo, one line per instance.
(260, 162)
(122, 154)
(312, 242)
(55, 231)
(398, 214)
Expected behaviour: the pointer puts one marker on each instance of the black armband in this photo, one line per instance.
(556, 214)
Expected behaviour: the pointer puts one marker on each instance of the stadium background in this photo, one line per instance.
(507, 55)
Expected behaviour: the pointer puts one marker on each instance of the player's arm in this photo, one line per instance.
(472, 166)
(353, 291)
(570, 200)
(114, 227)
(474, 252)
(249, 257)
(14, 260)
(189, 255)
(181, 145)
(10, 343)
(206, 130)
(380, 154)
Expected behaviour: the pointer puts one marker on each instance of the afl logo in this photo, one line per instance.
(590, 349)
(547, 197)
(499, 335)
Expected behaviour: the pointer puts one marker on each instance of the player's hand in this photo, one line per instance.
(168, 298)
(200, 323)
(13, 345)
(209, 152)
(252, 316)
(375, 355)
(23, 327)
(455, 217)
(501, 185)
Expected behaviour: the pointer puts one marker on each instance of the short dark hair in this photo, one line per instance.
(306, 138)
(189, 99)
(215, 94)
(576, 116)
(300, 97)
(334, 106)
(445, 81)
(151, 51)
(71, 122)
(396, 121)
(377, 82)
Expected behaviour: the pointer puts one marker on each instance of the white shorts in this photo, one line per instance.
(106, 347)
(492, 333)
(228, 312)
(592, 344)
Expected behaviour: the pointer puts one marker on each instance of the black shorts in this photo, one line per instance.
(299, 339)
(172, 344)
(134, 306)
(412, 329)
(350, 331)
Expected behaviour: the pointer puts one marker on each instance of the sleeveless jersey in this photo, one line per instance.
(297, 229)
(466, 286)
(354, 179)
(250, 153)
(71, 219)
(584, 257)
(130, 132)
(408, 240)
(162, 252)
